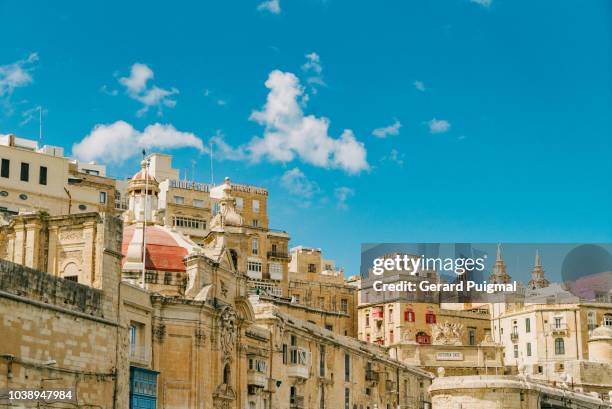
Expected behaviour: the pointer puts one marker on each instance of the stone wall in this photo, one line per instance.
(55, 332)
(54, 336)
(505, 392)
(36, 285)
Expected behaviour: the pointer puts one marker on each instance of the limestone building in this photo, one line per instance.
(187, 207)
(60, 319)
(211, 345)
(420, 330)
(548, 334)
(34, 178)
(319, 293)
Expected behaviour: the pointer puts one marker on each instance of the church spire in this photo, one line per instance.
(499, 274)
(498, 258)
(538, 280)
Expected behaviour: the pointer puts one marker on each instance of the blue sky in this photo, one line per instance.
(381, 121)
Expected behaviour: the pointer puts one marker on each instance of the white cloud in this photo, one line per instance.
(289, 134)
(395, 156)
(296, 183)
(119, 141)
(224, 151)
(438, 125)
(420, 86)
(313, 68)
(149, 96)
(342, 194)
(273, 6)
(313, 63)
(385, 131)
(106, 90)
(17, 74)
(219, 101)
(484, 3)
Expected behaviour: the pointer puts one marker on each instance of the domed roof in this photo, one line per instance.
(227, 215)
(143, 173)
(602, 332)
(165, 248)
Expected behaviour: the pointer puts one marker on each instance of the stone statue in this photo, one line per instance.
(227, 327)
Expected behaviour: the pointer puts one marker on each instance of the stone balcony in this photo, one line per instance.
(372, 376)
(559, 329)
(257, 378)
(299, 363)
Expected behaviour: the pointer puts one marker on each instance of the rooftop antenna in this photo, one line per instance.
(212, 174)
(40, 124)
(193, 163)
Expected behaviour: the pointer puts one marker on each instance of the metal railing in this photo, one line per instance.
(278, 254)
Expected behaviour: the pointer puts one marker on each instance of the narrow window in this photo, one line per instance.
(5, 168)
(322, 403)
(347, 396)
(255, 206)
(559, 346)
(472, 336)
(103, 196)
(42, 176)
(25, 172)
(322, 360)
(430, 318)
(347, 368)
(529, 349)
(527, 325)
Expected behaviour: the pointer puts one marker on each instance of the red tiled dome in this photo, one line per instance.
(141, 174)
(164, 253)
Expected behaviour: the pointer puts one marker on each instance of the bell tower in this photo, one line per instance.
(499, 275)
(538, 280)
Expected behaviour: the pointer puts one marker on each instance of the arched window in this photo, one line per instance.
(559, 346)
(409, 315)
(430, 317)
(71, 272)
(423, 338)
(226, 374)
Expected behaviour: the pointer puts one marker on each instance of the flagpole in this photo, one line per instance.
(144, 222)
